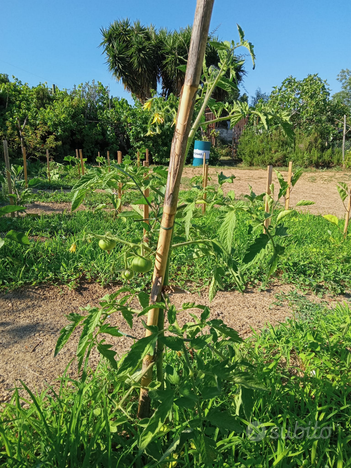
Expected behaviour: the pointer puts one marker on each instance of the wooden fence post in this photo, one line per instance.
(8, 174)
(138, 159)
(147, 157)
(81, 161)
(347, 215)
(267, 221)
(98, 157)
(48, 165)
(25, 167)
(287, 196)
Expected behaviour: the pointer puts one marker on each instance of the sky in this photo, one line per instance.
(58, 41)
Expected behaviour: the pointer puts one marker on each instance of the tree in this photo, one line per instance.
(344, 96)
(174, 49)
(310, 106)
(132, 56)
(259, 96)
(142, 58)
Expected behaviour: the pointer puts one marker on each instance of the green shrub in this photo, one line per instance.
(260, 148)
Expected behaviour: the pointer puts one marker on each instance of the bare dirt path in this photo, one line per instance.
(317, 186)
(32, 317)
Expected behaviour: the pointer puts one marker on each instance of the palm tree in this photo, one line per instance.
(174, 50)
(132, 56)
(141, 58)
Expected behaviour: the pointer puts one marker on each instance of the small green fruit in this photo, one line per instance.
(141, 264)
(107, 244)
(127, 274)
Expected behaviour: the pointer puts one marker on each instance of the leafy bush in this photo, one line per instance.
(261, 148)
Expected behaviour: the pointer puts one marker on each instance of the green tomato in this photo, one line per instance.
(127, 274)
(107, 244)
(141, 264)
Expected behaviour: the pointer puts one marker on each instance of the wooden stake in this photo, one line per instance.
(98, 157)
(287, 196)
(178, 149)
(146, 209)
(343, 143)
(204, 182)
(25, 167)
(347, 215)
(147, 156)
(8, 174)
(48, 164)
(108, 161)
(119, 161)
(77, 156)
(81, 161)
(138, 159)
(267, 221)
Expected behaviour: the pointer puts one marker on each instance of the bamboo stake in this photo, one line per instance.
(147, 156)
(347, 215)
(77, 156)
(25, 167)
(48, 164)
(146, 209)
(8, 174)
(119, 161)
(287, 196)
(343, 143)
(81, 161)
(204, 182)
(108, 161)
(178, 149)
(267, 221)
(98, 157)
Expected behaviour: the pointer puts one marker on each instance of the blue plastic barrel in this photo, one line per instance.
(201, 147)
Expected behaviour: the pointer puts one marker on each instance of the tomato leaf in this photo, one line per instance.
(109, 354)
(78, 198)
(10, 209)
(19, 237)
(332, 219)
(137, 353)
(67, 331)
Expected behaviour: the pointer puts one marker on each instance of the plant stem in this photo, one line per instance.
(202, 110)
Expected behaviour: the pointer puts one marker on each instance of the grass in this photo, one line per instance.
(316, 256)
(92, 200)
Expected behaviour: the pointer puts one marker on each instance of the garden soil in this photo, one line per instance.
(32, 317)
